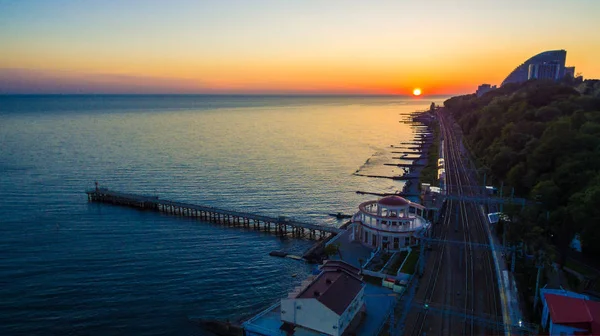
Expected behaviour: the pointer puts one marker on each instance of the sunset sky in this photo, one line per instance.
(278, 46)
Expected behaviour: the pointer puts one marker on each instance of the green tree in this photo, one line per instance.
(543, 139)
(333, 249)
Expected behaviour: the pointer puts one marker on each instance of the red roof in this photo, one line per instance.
(574, 312)
(393, 201)
(334, 289)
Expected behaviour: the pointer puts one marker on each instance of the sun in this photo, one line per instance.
(417, 92)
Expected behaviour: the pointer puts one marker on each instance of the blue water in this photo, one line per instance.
(68, 267)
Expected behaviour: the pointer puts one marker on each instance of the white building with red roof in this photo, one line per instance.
(333, 302)
(328, 303)
(569, 313)
(389, 223)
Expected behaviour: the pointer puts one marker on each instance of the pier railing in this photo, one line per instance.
(279, 225)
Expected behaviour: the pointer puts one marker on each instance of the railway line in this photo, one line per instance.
(484, 294)
(434, 275)
(458, 277)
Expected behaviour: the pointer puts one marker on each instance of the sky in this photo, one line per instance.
(285, 46)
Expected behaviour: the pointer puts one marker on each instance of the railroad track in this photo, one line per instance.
(473, 291)
(419, 325)
(486, 273)
(459, 181)
(439, 267)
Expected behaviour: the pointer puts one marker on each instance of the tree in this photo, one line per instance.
(546, 192)
(543, 139)
(332, 249)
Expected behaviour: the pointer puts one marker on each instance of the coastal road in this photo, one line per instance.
(459, 280)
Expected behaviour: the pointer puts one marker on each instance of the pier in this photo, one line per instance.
(414, 152)
(416, 142)
(405, 165)
(281, 226)
(414, 158)
(401, 194)
(407, 177)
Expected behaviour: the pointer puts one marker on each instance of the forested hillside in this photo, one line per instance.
(543, 139)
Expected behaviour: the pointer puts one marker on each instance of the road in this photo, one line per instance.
(459, 280)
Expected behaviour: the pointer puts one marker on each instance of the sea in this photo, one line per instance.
(69, 267)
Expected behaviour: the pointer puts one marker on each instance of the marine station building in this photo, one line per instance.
(389, 223)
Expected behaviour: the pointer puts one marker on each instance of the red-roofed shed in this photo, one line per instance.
(572, 315)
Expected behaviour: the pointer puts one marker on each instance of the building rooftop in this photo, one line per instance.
(393, 201)
(338, 264)
(574, 312)
(334, 288)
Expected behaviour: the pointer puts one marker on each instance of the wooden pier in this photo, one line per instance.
(281, 226)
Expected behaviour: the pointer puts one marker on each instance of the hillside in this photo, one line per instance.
(542, 139)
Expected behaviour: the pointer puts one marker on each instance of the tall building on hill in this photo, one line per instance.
(545, 63)
(544, 71)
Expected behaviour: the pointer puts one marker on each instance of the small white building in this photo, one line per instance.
(328, 303)
(389, 223)
(569, 313)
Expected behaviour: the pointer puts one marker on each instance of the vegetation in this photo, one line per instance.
(377, 263)
(372, 280)
(542, 139)
(410, 263)
(580, 268)
(392, 267)
(332, 249)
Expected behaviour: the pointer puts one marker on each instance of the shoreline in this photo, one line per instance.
(411, 188)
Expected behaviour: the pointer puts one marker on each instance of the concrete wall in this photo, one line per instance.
(545, 315)
(351, 311)
(250, 333)
(557, 329)
(310, 314)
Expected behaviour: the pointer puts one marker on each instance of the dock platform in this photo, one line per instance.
(282, 226)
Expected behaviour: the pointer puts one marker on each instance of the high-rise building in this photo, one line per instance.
(549, 70)
(521, 73)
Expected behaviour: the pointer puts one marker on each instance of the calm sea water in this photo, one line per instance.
(68, 267)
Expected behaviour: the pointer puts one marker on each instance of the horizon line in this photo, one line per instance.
(239, 94)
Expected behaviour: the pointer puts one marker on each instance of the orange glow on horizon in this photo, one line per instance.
(302, 75)
(185, 48)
